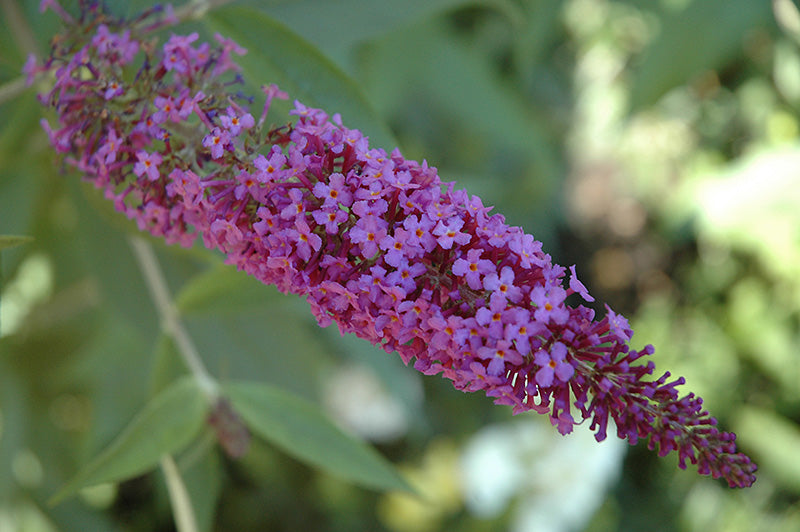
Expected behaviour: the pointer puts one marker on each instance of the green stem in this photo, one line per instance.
(185, 520)
(12, 89)
(170, 320)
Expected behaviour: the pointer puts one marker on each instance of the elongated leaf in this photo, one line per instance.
(337, 26)
(166, 425)
(222, 289)
(298, 428)
(278, 55)
(18, 129)
(204, 479)
(704, 35)
(106, 253)
(463, 86)
(16, 420)
(9, 241)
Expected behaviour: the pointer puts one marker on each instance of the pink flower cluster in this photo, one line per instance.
(375, 242)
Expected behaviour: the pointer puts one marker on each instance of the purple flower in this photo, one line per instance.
(226, 233)
(477, 377)
(503, 284)
(331, 218)
(267, 222)
(185, 104)
(405, 275)
(473, 267)
(493, 316)
(618, 326)
(235, 121)
(400, 180)
(166, 110)
(270, 92)
(528, 249)
(375, 242)
(114, 88)
(449, 232)
(30, 69)
(549, 303)
(178, 53)
(444, 330)
(367, 232)
(304, 240)
(496, 230)
(224, 61)
(147, 164)
(521, 329)
(247, 185)
(395, 247)
(374, 208)
(334, 192)
(553, 363)
(498, 355)
(102, 39)
(297, 207)
(577, 287)
(419, 231)
(270, 169)
(185, 184)
(217, 141)
(109, 149)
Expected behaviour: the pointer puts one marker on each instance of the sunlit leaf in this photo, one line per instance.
(166, 425)
(301, 430)
(774, 441)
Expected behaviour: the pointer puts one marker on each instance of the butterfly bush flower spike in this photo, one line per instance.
(375, 242)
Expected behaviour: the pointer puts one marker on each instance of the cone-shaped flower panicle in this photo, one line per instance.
(375, 242)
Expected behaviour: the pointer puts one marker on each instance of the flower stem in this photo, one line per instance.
(170, 321)
(12, 89)
(185, 520)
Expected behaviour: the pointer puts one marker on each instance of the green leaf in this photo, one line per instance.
(301, 430)
(9, 241)
(458, 82)
(675, 56)
(222, 289)
(166, 425)
(16, 419)
(101, 240)
(204, 479)
(20, 133)
(251, 345)
(278, 55)
(401, 384)
(337, 26)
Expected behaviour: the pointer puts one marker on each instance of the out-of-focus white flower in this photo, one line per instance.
(355, 397)
(555, 482)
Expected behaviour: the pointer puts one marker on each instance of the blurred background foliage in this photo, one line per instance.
(652, 143)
